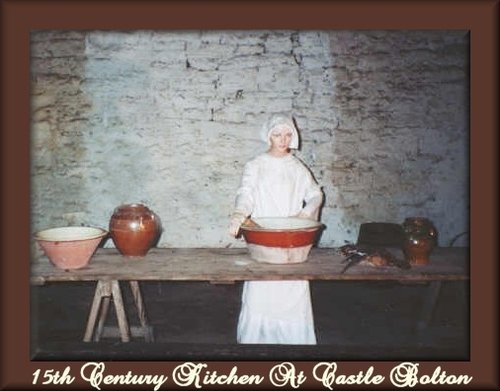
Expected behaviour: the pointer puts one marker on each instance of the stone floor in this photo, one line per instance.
(197, 320)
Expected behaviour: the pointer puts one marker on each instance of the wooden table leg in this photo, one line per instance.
(120, 311)
(141, 311)
(107, 291)
(429, 303)
(102, 318)
(101, 290)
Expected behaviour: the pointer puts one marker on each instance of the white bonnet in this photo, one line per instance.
(280, 119)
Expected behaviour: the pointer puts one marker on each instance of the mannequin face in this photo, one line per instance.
(280, 141)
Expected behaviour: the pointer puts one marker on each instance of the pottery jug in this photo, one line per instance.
(134, 229)
(420, 238)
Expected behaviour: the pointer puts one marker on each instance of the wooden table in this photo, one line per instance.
(225, 265)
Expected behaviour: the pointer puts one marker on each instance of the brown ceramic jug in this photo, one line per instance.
(134, 229)
(420, 238)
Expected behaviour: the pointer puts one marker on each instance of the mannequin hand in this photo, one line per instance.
(237, 218)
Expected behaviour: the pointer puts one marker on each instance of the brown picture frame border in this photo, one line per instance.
(20, 17)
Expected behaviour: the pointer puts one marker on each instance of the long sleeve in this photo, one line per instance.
(245, 201)
(313, 198)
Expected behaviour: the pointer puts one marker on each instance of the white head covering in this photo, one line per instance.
(280, 120)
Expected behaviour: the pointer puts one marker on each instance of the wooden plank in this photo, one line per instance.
(234, 264)
(145, 332)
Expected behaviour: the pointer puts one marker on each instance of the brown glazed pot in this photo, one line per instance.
(419, 240)
(134, 229)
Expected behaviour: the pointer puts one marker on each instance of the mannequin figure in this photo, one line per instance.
(276, 184)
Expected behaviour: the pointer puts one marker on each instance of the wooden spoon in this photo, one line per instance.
(250, 223)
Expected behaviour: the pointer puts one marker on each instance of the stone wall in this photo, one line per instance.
(169, 119)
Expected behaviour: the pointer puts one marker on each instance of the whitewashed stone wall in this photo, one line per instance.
(169, 119)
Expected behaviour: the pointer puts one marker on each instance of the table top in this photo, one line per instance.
(234, 264)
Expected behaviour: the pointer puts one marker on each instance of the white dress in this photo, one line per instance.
(277, 312)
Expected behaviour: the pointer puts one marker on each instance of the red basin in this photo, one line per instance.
(284, 232)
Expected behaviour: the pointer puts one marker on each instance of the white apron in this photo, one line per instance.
(276, 312)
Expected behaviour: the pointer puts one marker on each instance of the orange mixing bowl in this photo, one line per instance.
(70, 247)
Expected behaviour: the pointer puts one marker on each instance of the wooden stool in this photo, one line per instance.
(104, 292)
